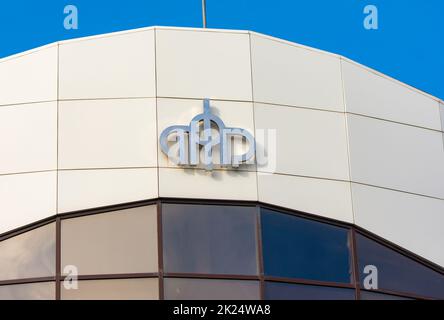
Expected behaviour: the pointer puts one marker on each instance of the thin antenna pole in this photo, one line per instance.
(204, 13)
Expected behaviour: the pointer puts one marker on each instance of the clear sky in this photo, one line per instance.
(408, 45)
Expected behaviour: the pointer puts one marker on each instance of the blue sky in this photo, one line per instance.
(409, 44)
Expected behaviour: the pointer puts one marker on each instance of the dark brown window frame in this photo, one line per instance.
(160, 275)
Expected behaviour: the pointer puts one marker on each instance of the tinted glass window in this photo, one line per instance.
(396, 272)
(289, 291)
(209, 239)
(123, 241)
(294, 247)
(371, 295)
(118, 289)
(28, 291)
(210, 289)
(29, 255)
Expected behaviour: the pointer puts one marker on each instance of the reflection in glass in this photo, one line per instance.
(123, 241)
(294, 247)
(116, 289)
(209, 239)
(396, 272)
(28, 291)
(289, 291)
(210, 289)
(29, 255)
(371, 295)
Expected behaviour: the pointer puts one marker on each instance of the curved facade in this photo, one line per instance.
(348, 173)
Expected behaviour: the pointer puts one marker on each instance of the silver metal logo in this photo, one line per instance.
(190, 138)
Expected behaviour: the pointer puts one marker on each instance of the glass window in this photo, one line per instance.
(123, 241)
(209, 239)
(396, 272)
(116, 289)
(290, 291)
(28, 291)
(210, 289)
(29, 255)
(294, 247)
(371, 295)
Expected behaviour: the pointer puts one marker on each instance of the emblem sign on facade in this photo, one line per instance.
(199, 135)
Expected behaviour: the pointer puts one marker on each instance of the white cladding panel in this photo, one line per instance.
(29, 77)
(441, 108)
(307, 142)
(111, 66)
(292, 75)
(371, 94)
(84, 189)
(26, 198)
(198, 183)
(396, 156)
(28, 137)
(108, 133)
(327, 198)
(203, 64)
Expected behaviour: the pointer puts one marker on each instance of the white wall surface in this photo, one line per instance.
(292, 75)
(441, 108)
(309, 143)
(396, 156)
(28, 137)
(371, 94)
(29, 77)
(26, 198)
(441, 105)
(327, 198)
(198, 183)
(82, 189)
(204, 64)
(112, 66)
(109, 133)
(375, 158)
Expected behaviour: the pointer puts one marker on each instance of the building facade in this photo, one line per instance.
(342, 197)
